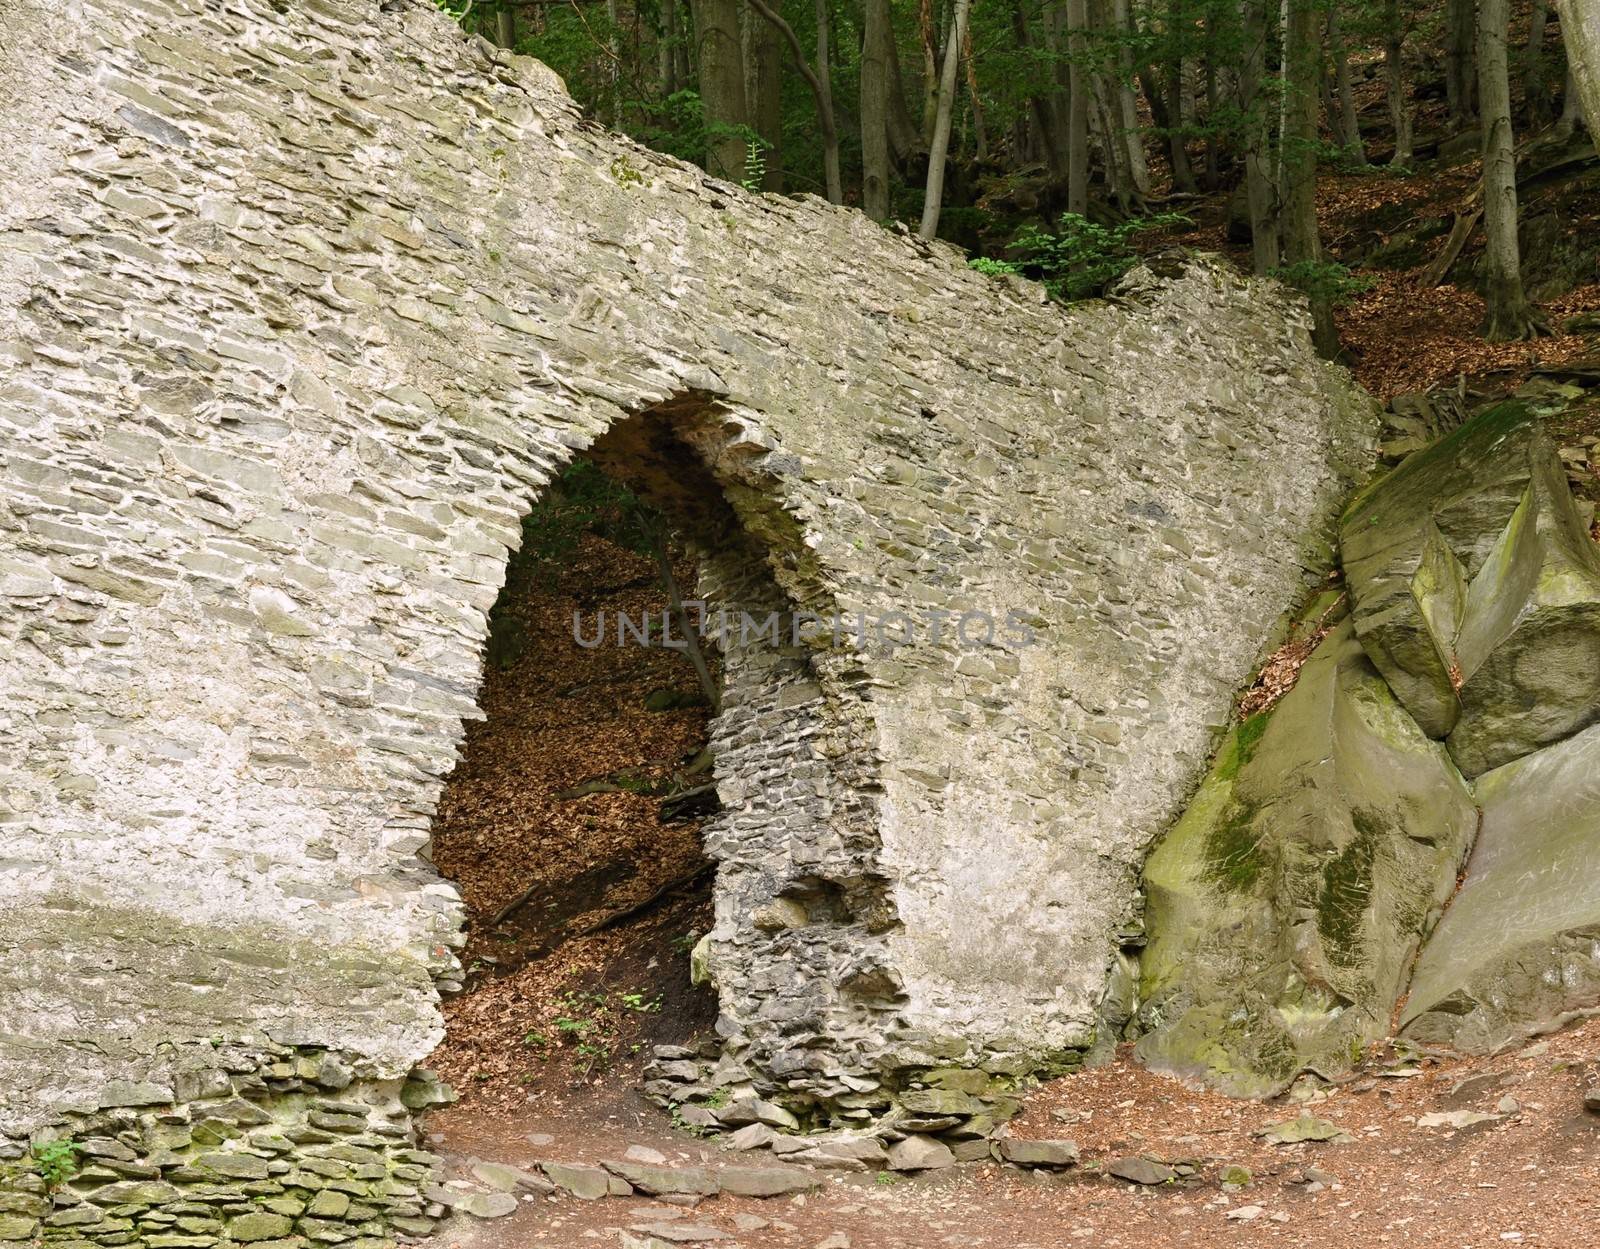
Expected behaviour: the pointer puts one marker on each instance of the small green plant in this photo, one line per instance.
(56, 1161)
(536, 1040)
(1081, 258)
(683, 1125)
(1324, 279)
(719, 1098)
(626, 175)
(592, 1054)
(886, 1179)
(755, 164)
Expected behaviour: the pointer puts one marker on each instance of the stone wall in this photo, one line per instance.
(299, 307)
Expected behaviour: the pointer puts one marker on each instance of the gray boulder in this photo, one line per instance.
(920, 1153)
(1285, 906)
(1476, 590)
(1026, 1153)
(1517, 950)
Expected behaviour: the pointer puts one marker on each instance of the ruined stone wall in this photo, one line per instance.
(299, 306)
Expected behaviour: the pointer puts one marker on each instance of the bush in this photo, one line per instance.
(1082, 258)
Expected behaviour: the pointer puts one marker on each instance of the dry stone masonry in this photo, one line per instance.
(300, 306)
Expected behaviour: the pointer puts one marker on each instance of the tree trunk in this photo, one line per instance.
(1510, 316)
(875, 52)
(980, 135)
(1127, 104)
(505, 24)
(824, 91)
(927, 24)
(904, 137)
(939, 148)
(1534, 87)
(763, 82)
(1047, 115)
(1349, 120)
(1077, 109)
(1394, 47)
(1258, 18)
(667, 49)
(1302, 241)
(1580, 31)
(1460, 78)
(721, 57)
(1177, 120)
(821, 88)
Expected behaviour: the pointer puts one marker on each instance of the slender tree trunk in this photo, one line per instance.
(614, 61)
(1533, 82)
(1261, 190)
(1127, 104)
(821, 88)
(927, 24)
(1056, 104)
(667, 49)
(1460, 76)
(1394, 47)
(830, 137)
(939, 148)
(1077, 109)
(1050, 139)
(980, 135)
(763, 81)
(1580, 31)
(1571, 109)
(687, 55)
(505, 24)
(1534, 86)
(1510, 316)
(875, 52)
(721, 56)
(1302, 240)
(1114, 153)
(1177, 119)
(904, 137)
(1349, 120)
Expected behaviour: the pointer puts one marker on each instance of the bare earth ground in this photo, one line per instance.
(1527, 1177)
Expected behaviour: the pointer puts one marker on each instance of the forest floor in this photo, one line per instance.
(567, 994)
(1528, 1171)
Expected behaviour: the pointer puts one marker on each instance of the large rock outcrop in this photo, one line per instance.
(1518, 952)
(301, 305)
(1476, 590)
(1287, 905)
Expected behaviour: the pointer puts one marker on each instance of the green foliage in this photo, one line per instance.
(626, 175)
(1324, 279)
(755, 164)
(1081, 258)
(56, 1161)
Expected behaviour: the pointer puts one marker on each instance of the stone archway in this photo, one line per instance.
(801, 908)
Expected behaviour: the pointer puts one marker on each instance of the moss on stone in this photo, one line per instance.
(1347, 891)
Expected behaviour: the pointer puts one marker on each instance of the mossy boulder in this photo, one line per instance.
(1476, 590)
(1519, 949)
(1285, 906)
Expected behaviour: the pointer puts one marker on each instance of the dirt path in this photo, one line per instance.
(1530, 1174)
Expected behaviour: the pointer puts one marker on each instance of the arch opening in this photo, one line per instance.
(597, 799)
